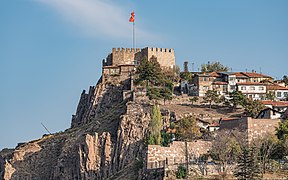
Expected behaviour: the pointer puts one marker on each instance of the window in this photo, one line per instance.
(278, 94)
(206, 88)
(252, 88)
(286, 94)
(232, 87)
(243, 88)
(261, 88)
(231, 79)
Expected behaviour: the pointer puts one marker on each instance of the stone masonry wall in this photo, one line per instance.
(260, 127)
(158, 156)
(165, 57)
(253, 127)
(124, 56)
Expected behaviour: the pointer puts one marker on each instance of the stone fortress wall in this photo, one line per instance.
(132, 56)
(254, 127)
(176, 153)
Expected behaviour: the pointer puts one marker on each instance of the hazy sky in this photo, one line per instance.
(50, 50)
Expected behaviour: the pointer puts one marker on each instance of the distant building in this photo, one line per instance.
(253, 90)
(281, 92)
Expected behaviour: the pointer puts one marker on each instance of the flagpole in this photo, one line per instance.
(134, 40)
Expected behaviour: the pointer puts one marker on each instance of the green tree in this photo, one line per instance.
(285, 79)
(158, 93)
(165, 94)
(188, 129)
(214, 67)
(149, 72)
(155, 126)
(193, 99)
(181, 172)
(247, 164)
(282, 130)
(253, 107)
(186, 76)
(237, 98)
(270, 95)
(211, 96)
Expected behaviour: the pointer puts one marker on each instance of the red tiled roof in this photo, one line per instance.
(215, 124)
(275, 103)
(253, 74)
(214, 74)
(250, 83)
(220, 83)
(239, 74)
(228, 119)
(276, 87)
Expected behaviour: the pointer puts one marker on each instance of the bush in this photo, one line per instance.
(181, 172)
(166, 138)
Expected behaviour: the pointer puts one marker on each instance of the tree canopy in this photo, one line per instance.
(237, 98)
(285, 79)
(211, 96)
(159, 83)
(188, 129)
(149, 71)
(214, 67)
(253, 107)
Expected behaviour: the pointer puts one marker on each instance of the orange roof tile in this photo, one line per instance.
(275, 103)
(228, 119)
(215, 124)
(214, 74)
(220, 83)
(239, 74)
(251, 83)
(253, 74)
(276, 87)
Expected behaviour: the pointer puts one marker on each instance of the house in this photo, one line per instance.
(270, 113)
(202, 124)
(280, 106)
(249, 83)
(187, 87)
(253, 90)
(203, 82)
(281, 92)
(213, 127)
(220, 87)
(256, 77)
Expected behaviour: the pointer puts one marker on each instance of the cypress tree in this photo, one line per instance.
(247, 164)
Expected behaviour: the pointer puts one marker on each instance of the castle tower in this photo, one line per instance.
(131, 56)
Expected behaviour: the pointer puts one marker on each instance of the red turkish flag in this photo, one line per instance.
(132, 18)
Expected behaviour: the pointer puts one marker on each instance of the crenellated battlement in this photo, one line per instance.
(125, 50)
(165, 50)
(130, 56)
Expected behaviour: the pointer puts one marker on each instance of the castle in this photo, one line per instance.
(117, 70)
(132, 56)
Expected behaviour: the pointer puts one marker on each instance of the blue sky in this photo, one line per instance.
(50, 50)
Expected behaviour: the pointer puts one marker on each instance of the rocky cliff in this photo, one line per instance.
(105, 140)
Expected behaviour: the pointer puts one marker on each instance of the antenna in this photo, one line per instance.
(46, 128)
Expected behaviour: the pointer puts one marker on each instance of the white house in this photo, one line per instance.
(281, 92)
(253, 90)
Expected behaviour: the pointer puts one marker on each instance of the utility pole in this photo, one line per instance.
(46, 128)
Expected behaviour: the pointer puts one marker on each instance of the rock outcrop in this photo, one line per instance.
(105, 140)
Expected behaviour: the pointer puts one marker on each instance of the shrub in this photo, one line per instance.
(181, 172)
